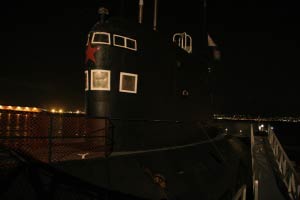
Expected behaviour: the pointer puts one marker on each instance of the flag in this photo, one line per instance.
(212, 44)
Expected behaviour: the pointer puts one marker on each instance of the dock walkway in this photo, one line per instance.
(265, 170)
(273, 174)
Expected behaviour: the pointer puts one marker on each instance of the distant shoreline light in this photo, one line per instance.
(20, 108)
(61, 111)
(255, 119)
(35, 109)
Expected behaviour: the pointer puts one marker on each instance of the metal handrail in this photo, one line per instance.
(254, 180)
(184, 41)
(288, 173)
(241, 193)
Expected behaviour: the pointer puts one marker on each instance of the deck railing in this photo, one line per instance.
(255, 180)
(241, 193)
(288, 173)
(56, 137)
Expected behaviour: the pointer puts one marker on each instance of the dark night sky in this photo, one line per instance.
(43, 45)
(260, 45)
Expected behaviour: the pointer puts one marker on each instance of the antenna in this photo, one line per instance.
(204, 23)
(155, 15)
(141, 6)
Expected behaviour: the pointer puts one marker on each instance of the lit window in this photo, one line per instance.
(86, 80)
(124, 42)
(128, 82)
(101, 38)
(100, 79)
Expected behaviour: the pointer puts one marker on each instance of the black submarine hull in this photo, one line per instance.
(169, 103)
(195, 171)
(163, 72)
(157, 99)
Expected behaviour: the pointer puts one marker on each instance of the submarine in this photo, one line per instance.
(151, 93)
(154, 91)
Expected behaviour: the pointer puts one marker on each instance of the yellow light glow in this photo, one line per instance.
(53, 110)
(19, 108)
(60, 111)
(77, 111)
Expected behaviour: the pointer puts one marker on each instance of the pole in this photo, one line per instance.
(205, 35)
(141, 5)
(155, 16)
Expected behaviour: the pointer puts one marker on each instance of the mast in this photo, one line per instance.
(204, 26)
(155, 16)
(141, 6)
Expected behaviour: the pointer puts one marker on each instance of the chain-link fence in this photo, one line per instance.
(53, 137)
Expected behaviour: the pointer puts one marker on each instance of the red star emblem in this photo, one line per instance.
(90, 53)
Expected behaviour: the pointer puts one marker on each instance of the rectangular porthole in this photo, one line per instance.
(128, 82)
(119, 41)
(131, 44)
(86, 75)
(100, 79)
(101, 38)
(124, 42)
